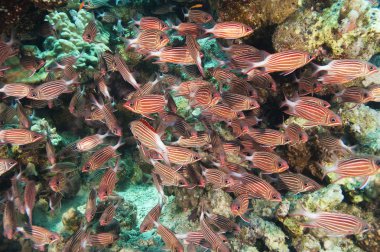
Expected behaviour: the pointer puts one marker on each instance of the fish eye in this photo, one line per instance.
(306, 184)
(371, 68)
(378, 162)
(333, 120)
(88, 36)
(35, 136)
(279, 164)
(274, 196)
(11, 162)
(226, 181)
(87, 167)
(365, 95)
(237, 207)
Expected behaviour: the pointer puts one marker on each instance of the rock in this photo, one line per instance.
(71, 220)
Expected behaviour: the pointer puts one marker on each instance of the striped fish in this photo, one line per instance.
(89, 32)
(334, 144)
(78, 241)
(194, 238)
(347, 68)
(39, 235)
(6, 164)
(239, 102)
(110, 61)
(90, 206)
(24, 120)
(148, 88)
(184, 29)
(17, 199)
(148, 23)
(197, 141)
(179, 124)
(308, 85)
(240, 49)
(255, 187)
(101, 239)
(176, 55)
(205, 97)
(188, 87)
(30, 199)
(103, 88)
(31, 63)
(9, 219)
(223, 76)
(146, 135)
(217, 178)
(182, 156)
(123, 69)
(222, 223)
(267, 162)
(198, 16)
(90, 142)
(240, 205)
(286, 62)
(150, 40)
(55, 200)
(17, 90)
(94, 4)
(108, 182)
(242, 87)
(374, 91)
(169, 176)
(313, 100)
(211, 236)
(313, 113)
(231, 148)
(297, 183)
(107, 215)
(221, 112)
(147, 104)
(262, 80)
(230, 30)
(57, 183)
(268, 137)
(50, 90)
(295, 133)
(169, 238)
(50, 152)
(354, 167)
(335, 224)
(195, 52)
(19, 136)
(356, 95)
(153, 215)
(109, 118)
(100, 157)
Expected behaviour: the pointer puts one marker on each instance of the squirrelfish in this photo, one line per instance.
(19, 136)
(230, 30)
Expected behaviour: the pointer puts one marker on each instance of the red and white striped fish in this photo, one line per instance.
(262, 80)
(230, 30)
(313, 100)
(354, 167)
(30, 199)
(224, 224)
(313, 113)
(375, 92)
(107, 215)
(9, 219)
(50, 90)
(39, 235)
(123, 69)
(198, 16)
(197, 141)
(297, 183)
(24, 120)
(239, 102)
(148, 23)
(90, 142)
(184, 29)
(240, 205)
(268, 137)
(211, 236)
(100, 157)
(57, 183)
(182, 156)
(6, 164)
(101, 239)
(31, 63)
(194, 238)
(108, 182)
(217, 178)
(295, 133)
(195, 52)
(189, 87)
(168, 236)
(153, 215)
(356, 95)
(221, 112)
(89, 32)
(286, 62)
(90, 206)
(169, 176)
(108, 116)
(147, 136)
(147, 104)
(335, 224)
(308, 85)
(267, 162)
(205, 97)
(176, 55)
(149, 40)
(335, 145)
(19, 136)
(17, 90)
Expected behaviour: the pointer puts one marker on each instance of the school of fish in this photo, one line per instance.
(185, 152)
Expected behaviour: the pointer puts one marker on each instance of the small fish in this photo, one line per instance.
(169, 238)
(176, 55)
(194, 238)
(55, 202)
(147, 136)
(31, 63)
(240, 205)
(153, 215)
(297, 183)
(313, 113)
(50, 90)
(188, 87)
(90, 206)
(148, 23)
(287, 62)
(78, 241)
(185, 29)
(223, 223)
(50, 152)
(182, 156)
(17, 199)
(100, 157)
(313, 100)
(107, 215)
(308, 85)
(90, 32)
(217, 178)
(221, 112)
(9, 220)
(356, 95)
(197, 141)
(6, 164)
(101, 239)
(30, 199)
(39, 235)
(147, 104)
(110, 61)
(58, 183)
(168, 175)
(262, 80)
(205, 97)
(17, 90)
(109, 117)
(179, 124)
(198, 16)
(149, 40)
(239, 102)
(295, 133)
(354, 167)
(195, 52)
(90, 142)
(103, 88)
(267, 162)
(19, 136)
(268, 137)
(211, 236)
(108, 182)
(230, 30)
(123, 69)
(24, 120)
(334, 144)
(81, 4)
(335, 224)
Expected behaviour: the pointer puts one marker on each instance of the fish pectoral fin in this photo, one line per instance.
(365, 182)
(287, 72)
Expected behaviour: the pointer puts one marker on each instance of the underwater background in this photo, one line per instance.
(111, 140)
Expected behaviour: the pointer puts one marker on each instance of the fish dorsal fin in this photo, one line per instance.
(148, 125)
